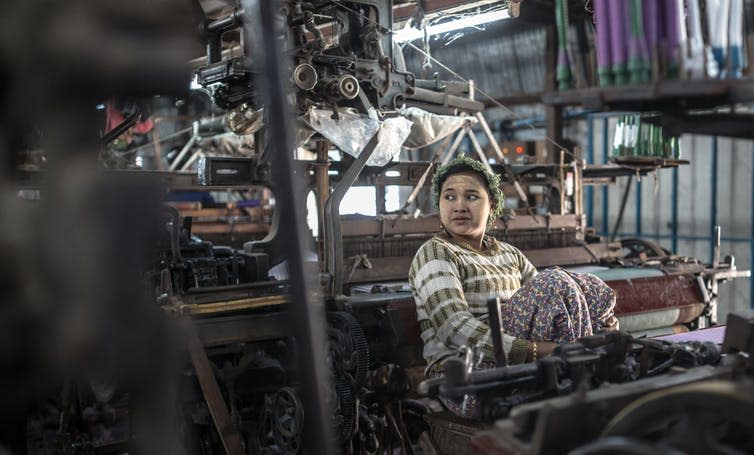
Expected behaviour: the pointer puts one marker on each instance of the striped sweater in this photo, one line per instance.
(451, 284)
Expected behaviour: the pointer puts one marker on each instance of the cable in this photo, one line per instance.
(496, 102)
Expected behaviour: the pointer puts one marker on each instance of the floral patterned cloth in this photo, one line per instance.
(560, 306)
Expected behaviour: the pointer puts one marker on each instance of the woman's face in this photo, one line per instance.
(465, 206)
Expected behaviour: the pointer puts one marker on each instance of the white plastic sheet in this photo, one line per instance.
(429, 128)
(351, 132)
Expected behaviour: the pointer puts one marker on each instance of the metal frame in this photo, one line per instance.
(308, 318)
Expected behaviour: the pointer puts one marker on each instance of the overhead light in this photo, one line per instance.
(411, 34)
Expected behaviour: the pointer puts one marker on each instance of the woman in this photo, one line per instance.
(454, 273)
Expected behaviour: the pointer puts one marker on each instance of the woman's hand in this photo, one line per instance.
(545, 348)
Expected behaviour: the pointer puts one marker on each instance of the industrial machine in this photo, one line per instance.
(240, 384)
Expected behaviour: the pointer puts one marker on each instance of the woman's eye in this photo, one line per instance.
(472, 197)
(449, 197)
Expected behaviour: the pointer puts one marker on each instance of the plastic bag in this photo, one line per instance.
(352, 131)
(429, 128)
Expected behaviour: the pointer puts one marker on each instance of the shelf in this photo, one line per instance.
(173, 180)
(647, 161)
(668, 95)
(627, 166)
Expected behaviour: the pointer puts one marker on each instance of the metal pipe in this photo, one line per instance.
(605, 155)
(713, 202)
(308, 317)
(496, 327)
(227, 23)
(444, 99)
(322, 179)
(689, 238)
(590, 160)
(186, 148)
(751, 243)
(674, 213)
(638, 206)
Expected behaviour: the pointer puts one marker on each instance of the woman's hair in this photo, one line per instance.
(463, 163)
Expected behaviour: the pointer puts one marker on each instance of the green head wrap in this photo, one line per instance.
(463, 163)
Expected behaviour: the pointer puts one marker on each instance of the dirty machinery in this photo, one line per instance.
(239, 390)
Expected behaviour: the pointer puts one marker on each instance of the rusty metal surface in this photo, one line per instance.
(229, 306)
(219, 331)
(452, 435)
(560, 424)
(383, 269)
(655, 293)
(229, 434)
(431, 224)
(571, 255)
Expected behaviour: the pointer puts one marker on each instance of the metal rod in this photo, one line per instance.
(751, 243)
(713, 195)
(186, 148)
(605, 158)
(491, 138)
(638, 206)
(695, 238)
(321, 167)
(496, 327)
(479, 151)
(452, 150)
(674, 213)
(716, 256)
(622, 210)
(590, 160)
(308, 317)
(227, 23)
(444, 99)
(333, 235)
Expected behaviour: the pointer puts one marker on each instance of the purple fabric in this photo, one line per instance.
(559, 306)
(617, 16)
(672, 32)
(714, 334)
(649, 9)
(601, 14)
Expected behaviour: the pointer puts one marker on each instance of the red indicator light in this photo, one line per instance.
(519, 150)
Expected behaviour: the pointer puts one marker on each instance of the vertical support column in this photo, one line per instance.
(589, 191)
(307, 309)
(674, 213)
(554, 124)
(322, 166)
(751, 245)
(713, 202)
(553, 114)
(638, 207)
(605, 155)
